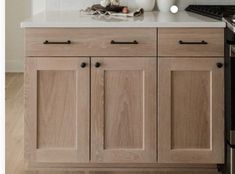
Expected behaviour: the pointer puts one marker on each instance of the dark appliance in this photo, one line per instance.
(213, 11)
(230, 94)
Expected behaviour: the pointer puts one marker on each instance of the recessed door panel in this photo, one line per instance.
(123, 110)
(191, 114)
(190, 103)
(57, 110)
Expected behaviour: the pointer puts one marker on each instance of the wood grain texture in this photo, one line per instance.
(191, 111)
(57, 110)
(153, 172)
(15, 127)
(92, 166)
(14, 123)
(91, 42)
(168, 42)
(15, 134)
(190, 104)
(58, 172)
(123, 99)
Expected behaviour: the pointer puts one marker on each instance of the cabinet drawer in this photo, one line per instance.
(91, 42)
(191, 42)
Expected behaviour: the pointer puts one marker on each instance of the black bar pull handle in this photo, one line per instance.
(193, 43)
(48, 42)
(116, 42)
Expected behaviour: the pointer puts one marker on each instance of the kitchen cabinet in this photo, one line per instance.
(124, 98)
(91, 42)
(191, 121)
(191, 42)
(123, 110)
(57, 110)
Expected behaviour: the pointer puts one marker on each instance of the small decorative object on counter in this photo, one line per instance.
(174, 9)
(112, 10)
(105, 3)
(165, 5)
(125, 10)
(147, 5)
(115, 2)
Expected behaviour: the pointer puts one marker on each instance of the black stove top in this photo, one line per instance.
(213, 11)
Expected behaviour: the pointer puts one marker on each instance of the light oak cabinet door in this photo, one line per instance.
(191, 116)
(57, 110)
(123, 110)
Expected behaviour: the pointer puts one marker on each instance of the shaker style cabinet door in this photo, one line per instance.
(191, 115)
(57, 110)
(123, 110)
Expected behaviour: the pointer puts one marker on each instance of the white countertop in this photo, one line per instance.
(73, 19)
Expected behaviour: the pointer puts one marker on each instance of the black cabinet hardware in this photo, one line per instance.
(97, 64)
(115, 42)
(48, 42)
(230, 42)
(221, 168)
(193, 43)
(219, 65)
(83, 65)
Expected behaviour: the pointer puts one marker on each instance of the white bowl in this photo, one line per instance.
(165, 5)
(147, 5)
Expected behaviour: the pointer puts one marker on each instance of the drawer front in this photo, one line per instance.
(91, 42)
(191, 42)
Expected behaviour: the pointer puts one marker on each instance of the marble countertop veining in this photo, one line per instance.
(73, 19)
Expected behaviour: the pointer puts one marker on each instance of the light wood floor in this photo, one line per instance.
(14, 132)
(14, 126)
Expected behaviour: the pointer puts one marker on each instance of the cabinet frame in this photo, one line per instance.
(80, 153)
(54, 158)
(213, 154)
(148, 153)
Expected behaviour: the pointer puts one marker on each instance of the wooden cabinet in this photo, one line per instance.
(57, 110)
(193, 42)
(123, 110)
(191, 114)
(91, 114)
(114, 101)
(91, 42)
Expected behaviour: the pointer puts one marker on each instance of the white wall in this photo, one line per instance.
(38, 6)
(79, 4)
(16, 11)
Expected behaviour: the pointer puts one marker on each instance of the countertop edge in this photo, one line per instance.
(156, 19)
(125, 25)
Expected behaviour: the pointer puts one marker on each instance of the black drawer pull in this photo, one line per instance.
(193, 43)
(230, 42)
(83, 65)
(97, 64)
(219, 65)
(48, 42)
(115, 42)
